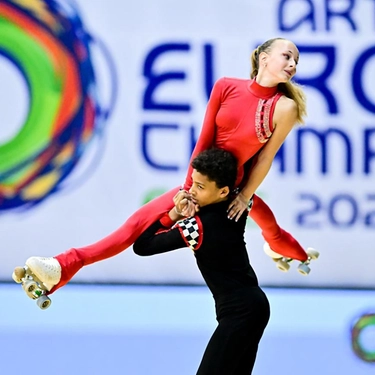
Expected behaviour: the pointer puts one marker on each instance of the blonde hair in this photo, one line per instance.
(290, 89)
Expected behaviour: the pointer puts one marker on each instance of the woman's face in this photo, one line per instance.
(281, 62)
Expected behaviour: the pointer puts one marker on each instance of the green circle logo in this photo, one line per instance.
(363, 337)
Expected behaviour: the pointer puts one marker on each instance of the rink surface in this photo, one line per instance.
(152, 330)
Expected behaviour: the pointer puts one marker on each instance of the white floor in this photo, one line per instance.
(136, 330)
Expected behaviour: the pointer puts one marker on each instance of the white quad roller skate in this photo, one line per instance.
(38, 277)
(283, 263)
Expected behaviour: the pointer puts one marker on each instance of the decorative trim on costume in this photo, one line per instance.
(191, 230)
(262, 119)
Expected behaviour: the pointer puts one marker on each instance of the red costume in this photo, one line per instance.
(238, 119)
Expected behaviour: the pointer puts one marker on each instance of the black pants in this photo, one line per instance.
(242, 316)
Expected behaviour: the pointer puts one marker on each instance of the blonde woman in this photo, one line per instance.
(250, 118)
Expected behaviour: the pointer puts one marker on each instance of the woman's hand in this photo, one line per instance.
(238, 206)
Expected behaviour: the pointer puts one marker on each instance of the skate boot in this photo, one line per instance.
(47, 270)
(283, 262)
(38, 277)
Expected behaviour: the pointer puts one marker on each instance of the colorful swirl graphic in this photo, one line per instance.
(47, 42)
(365, 323)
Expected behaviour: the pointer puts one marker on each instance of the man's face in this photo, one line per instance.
(204, 192)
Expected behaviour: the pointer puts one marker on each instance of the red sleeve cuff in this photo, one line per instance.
(166, 221)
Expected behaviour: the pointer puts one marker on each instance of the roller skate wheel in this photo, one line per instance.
(18, 274)
(282, 265)
(267, 249)
(29, 287)
(43, 302)
(312, 253)
(304, 269)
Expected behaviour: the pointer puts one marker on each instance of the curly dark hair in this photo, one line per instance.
(217, 165)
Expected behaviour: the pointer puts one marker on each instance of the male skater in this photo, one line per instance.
(242, 308)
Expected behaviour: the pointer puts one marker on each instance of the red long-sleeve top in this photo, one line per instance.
(238, 119)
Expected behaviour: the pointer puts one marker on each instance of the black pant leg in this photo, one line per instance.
(233, 346)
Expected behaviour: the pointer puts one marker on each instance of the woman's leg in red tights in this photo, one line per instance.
(279, 240)
(74, 259)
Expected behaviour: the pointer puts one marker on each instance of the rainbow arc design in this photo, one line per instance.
(47, 42)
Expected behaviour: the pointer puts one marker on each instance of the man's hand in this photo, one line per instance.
(184, 205)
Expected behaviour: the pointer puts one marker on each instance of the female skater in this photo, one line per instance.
(250, 118)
